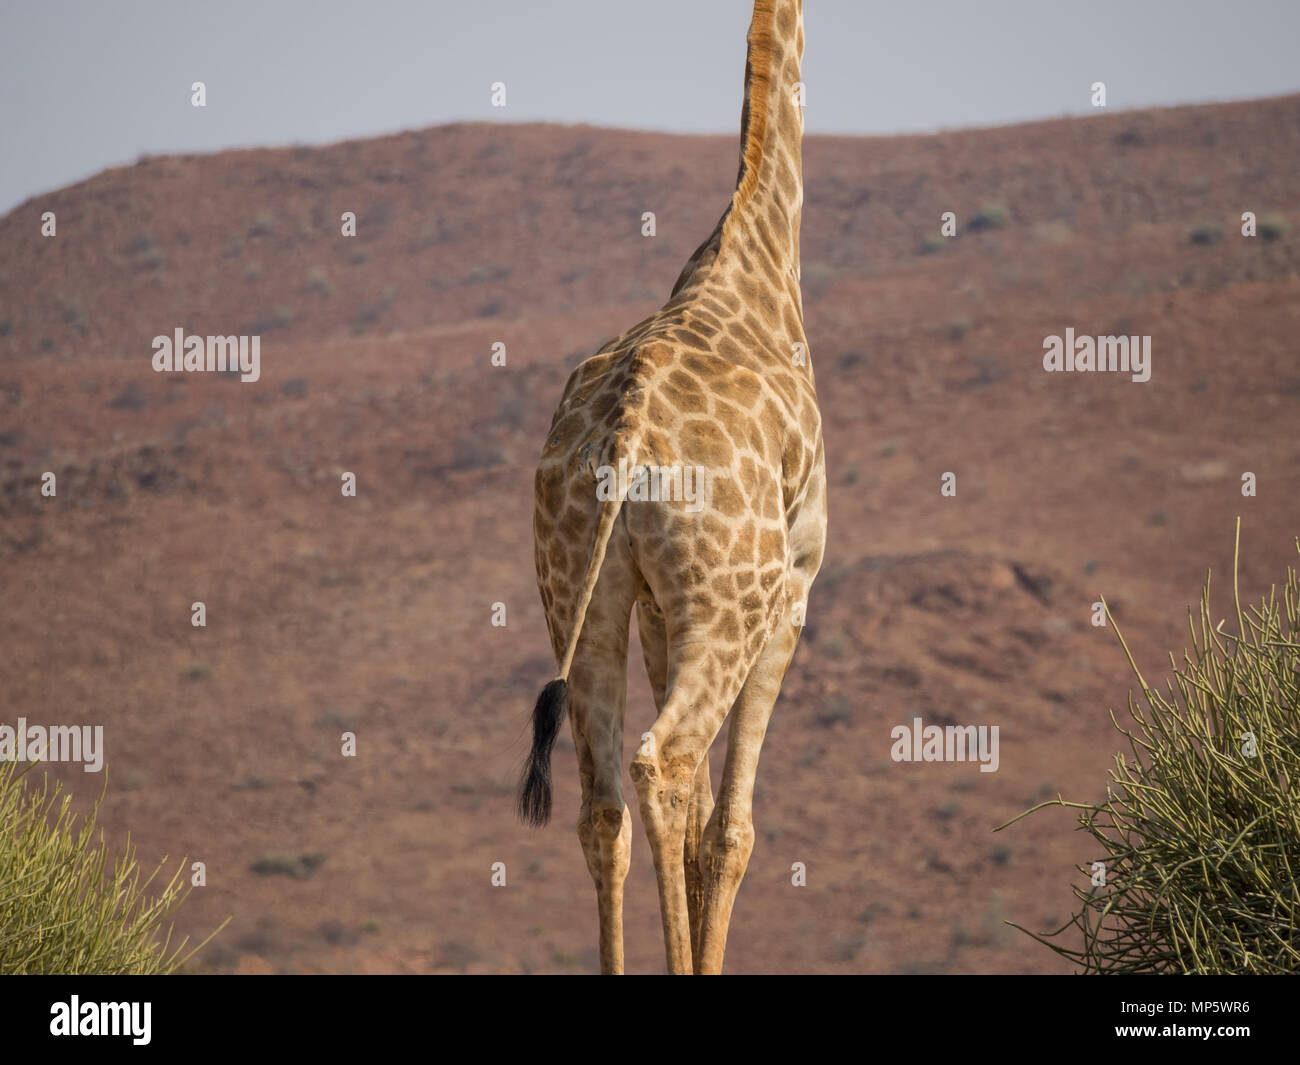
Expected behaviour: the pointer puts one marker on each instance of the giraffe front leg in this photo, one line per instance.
(728, 838)
(664, 785)
(668, 769)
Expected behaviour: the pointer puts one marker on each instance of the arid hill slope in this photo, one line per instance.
(372, 614)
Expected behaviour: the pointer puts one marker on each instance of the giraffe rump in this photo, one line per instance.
(535, 787)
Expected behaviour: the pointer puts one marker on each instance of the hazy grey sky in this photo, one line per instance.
(86, 84)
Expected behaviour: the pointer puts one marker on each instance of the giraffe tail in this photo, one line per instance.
(534, 803)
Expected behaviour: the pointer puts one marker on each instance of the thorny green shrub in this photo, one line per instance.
(65, 907)
(1200, 830)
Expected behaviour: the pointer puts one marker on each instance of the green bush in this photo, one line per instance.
(65, 907)
(1273, 227)
(1200, 830)
(990, 216)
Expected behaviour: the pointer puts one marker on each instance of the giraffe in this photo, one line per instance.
(717, 380)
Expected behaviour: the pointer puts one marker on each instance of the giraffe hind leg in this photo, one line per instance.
(598, 692)
(654, 648)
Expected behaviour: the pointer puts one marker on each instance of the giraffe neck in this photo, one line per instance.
(761, 224)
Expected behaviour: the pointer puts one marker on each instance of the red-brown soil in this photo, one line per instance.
(372, 614)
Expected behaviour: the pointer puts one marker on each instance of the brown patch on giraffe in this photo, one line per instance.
(736, 430)
(706, 322)
(703, 443)
(659, 412)
(655, 448)
(795, 328)
(682, 392)
(691, 339)
(726, 499)
(728, 414)
(755, 325)
(549, 488)
(730, 350)
(717, 531)
(710, 554)
(706, 368)
(742, 551)
(743, 389)
(573, 523)
(771, 544)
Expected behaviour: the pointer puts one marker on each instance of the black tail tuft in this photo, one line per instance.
(535, 787)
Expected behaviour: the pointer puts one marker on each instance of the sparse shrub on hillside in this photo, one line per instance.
(132, 397)
(1273, 227)
(280, 317)
(957, 328)
(318, 282)
(73, 314)
(253, 272)
(931, 245)
(297, 866)
(141, 243)
(1129, 137)
(263, 225)
(1199, 835)
(370, 313)
(146, 252)
(481, 275)
(65, 906)
(990, 216)
(1205, 233)
(838, 711)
